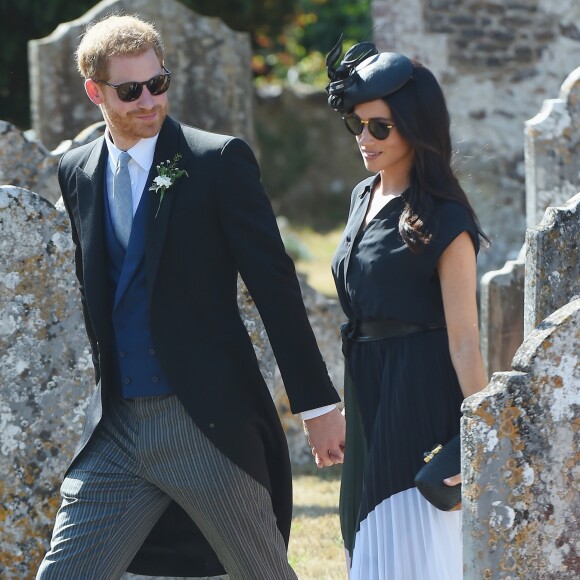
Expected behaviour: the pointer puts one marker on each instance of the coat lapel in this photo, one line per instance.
(169, 143)
(90, 196)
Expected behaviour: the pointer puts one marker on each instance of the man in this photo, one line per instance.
(182, 468)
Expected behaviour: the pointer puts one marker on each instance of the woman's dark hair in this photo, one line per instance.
(420, 114)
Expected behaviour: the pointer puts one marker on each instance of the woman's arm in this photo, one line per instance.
(457, 274)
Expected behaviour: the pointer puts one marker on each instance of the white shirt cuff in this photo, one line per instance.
(313, 413)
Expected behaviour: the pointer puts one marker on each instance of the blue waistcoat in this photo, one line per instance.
(138, 371)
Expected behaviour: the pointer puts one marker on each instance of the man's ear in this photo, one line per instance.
(94, 91)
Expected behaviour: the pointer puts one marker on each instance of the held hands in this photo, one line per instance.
(451, 481)
(325, 435)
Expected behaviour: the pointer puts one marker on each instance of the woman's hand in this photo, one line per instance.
(451, 481)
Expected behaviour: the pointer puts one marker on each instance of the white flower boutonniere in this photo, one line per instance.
(169, 173)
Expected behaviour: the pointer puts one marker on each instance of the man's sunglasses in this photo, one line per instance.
(378, 128)
(132, 90)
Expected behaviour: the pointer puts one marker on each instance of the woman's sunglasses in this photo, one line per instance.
(132, 90)
(378, 128)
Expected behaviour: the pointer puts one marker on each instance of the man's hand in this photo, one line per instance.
(326, 435)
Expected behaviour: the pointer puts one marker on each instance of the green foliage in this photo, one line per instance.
(322, 21)
(299, 53)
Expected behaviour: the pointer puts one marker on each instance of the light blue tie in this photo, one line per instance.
(122, 200)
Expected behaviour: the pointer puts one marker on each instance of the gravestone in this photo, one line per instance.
(502, 315)
(552, 262)
(45, 372)
(26, 163)
(552, 153)
(29, 165)
(520, 465)
(552, 146)
(210, 64)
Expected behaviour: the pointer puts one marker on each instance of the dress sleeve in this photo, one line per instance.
(452, 219)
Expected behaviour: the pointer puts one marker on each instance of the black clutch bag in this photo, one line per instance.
(442, 462)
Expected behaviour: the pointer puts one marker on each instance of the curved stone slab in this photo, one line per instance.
(28, 164)
(552, 262)
(45, 373)
(552, 149)
(521, 445)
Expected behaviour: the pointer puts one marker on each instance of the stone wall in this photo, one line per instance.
(212, 82)
(521, 445)
(497, 61)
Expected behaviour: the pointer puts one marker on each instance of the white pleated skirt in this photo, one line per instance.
(406, 538)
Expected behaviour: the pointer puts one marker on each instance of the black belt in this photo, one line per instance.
(378, 329)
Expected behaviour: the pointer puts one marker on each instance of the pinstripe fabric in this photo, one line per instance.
(146, 452)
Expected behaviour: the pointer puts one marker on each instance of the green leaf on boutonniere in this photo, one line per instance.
(167, 174)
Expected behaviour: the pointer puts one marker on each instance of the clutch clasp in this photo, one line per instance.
(429, 455)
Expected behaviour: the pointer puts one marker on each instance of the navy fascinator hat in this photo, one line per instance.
(364, 74)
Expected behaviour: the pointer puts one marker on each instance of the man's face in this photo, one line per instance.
(129, 122)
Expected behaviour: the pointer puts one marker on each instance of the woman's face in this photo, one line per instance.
(393, 154)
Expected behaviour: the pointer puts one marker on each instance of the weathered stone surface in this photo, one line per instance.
(490, 93)
(212, 83)
(521, 444)
(26, 163)
(45, 373)
(502, 315)
(552, 148)
(29, 165)
(552, 263)
(257, 332)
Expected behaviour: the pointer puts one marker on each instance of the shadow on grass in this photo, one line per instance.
(314, 511)
(333, 473)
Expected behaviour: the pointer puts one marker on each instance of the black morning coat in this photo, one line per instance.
(211, 225)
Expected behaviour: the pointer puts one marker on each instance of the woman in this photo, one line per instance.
(405, 271)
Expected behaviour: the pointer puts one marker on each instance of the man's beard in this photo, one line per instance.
(129, 127)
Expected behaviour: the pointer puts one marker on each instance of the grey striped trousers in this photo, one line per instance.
(145, 453)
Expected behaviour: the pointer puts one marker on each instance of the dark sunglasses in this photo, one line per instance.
(132, 90)
(378, 128)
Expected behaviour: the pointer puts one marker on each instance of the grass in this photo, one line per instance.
(316, 551)
(321, 246)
